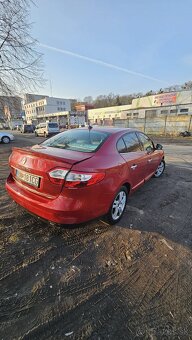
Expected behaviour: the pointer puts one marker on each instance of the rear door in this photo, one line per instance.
(152, 156)
(134, 156)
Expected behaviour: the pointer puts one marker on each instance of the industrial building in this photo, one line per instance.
(162, 104)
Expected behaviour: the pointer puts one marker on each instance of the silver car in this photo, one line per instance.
(6, 137)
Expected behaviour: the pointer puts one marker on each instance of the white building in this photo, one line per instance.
(39, 109)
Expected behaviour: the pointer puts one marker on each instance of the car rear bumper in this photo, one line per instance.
(63, 209)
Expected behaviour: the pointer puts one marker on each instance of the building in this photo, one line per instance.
(106, 115)
(169, 103)
(11, 110)
(81, 110)
(163, 104)
(46, 108)
(30, 97)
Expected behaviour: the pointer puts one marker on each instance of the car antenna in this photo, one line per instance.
(89, 128)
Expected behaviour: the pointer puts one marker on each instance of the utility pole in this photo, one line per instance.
(50, 82)
(190, 123)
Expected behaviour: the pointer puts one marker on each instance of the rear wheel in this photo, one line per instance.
(160, 169)
(118, 206)
(5, 140)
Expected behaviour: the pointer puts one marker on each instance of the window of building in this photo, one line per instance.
(146, 141)
(132, 142)
(150, 112)
(164, 112)
(184, 110)
(173, 111)
(135, 114)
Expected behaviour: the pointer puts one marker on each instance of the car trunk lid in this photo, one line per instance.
(30, 167)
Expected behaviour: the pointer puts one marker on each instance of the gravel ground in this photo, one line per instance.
(94, 281)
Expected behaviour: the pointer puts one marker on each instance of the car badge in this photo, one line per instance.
(24, 160)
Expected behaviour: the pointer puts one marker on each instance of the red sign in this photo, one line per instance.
(165, 98)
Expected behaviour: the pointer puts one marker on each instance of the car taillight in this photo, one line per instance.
(58, 175)
(80, 179)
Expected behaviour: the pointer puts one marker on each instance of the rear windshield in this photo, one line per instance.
(78, 140)
(53, 125)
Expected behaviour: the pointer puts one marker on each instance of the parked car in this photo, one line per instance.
(81, 174)
(27, 128)
(47, 129)
(6, 137)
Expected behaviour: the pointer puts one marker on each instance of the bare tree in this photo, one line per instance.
(20, 62)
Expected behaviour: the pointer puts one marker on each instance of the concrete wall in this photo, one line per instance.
(170, 125)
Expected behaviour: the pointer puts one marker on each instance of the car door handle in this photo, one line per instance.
(150, 160)
(134, 166)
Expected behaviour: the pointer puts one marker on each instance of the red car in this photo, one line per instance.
(82, 174)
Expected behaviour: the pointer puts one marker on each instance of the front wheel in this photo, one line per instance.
(118, 206)
(5, 140)
(160, 169)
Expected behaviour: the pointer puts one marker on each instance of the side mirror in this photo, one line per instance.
(159, 147)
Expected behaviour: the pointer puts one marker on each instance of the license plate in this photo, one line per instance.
(28, 178)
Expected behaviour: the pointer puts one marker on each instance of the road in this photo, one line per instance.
(95, 281)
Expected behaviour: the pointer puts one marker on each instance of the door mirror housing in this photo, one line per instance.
(159, 147)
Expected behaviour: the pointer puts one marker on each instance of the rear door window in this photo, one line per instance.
(121, 147)
(132, 142)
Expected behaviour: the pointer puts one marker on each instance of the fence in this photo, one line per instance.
(166, 125)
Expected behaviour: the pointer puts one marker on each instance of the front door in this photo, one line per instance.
(152, 157)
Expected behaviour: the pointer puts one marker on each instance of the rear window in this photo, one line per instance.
(53, 125)
(78, 140)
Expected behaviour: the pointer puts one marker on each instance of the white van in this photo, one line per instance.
(47, 129)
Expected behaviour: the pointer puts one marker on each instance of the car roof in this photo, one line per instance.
(111, 130)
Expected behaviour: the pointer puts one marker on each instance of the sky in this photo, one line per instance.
(95, 47)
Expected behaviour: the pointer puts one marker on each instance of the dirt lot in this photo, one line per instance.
(129, 281)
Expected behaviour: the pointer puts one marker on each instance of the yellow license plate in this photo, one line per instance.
(28, 178)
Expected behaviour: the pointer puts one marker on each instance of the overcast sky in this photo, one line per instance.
(94, 47)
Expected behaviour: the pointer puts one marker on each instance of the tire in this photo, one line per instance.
(160, 169)
(5, 140)
(118, 206)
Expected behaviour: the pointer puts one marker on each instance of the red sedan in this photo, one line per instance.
(82, 174)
